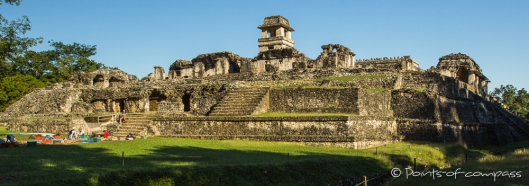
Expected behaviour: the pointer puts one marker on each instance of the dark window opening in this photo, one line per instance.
(98, 81)
(462, 74)
(186, 100)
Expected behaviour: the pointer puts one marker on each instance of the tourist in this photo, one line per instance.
(81, 133)
(130, 136)
(122, 117)
(106, 134)
(72, 134)
(11, 138)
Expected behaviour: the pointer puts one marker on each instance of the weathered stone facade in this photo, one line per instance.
(214, 96)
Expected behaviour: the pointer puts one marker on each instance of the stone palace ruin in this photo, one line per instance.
(223, 95)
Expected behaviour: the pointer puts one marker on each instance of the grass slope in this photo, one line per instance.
(176, 161)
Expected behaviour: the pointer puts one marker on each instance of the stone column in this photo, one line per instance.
(280, 31)
(159, 73)
(288, 34)
(471, 79)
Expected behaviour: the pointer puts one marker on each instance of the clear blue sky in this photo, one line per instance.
(138, 35)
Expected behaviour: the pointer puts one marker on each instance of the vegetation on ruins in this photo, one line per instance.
(351, 78)
(22, 69)
(375, 89)
(307, 86)
(516, 100)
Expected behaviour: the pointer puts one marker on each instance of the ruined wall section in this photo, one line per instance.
(181, 68)
(102, 79)
(39, 126)
(456, 114)
(217, 63)
(404, 63)
(375, 103)
(314, 100)
(408, 103)
(463, 68)
(354, 130)
(45, 102)
(275, 60)
(334, 56)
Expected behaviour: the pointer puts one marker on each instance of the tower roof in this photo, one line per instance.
(276, 21)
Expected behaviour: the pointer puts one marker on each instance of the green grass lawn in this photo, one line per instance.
(177, 161)
(485, 160)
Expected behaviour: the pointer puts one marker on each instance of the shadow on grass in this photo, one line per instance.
(175, 165)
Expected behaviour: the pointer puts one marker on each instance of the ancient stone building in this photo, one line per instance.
(334, 56)
(465, 69)
(218, 95)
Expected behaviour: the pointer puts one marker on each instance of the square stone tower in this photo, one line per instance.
(276, 34)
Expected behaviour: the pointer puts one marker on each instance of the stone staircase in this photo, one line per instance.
(135, 124)
(242, 101)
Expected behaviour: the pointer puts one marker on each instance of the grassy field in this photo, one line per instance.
(489, 165)
(176, 161)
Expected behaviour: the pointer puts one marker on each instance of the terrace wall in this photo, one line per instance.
(297, 129)
(304, 100)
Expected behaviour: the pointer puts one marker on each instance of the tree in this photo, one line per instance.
(13, 88)
(12, 44)
(516, 100)
(12, 2)
(22, 69)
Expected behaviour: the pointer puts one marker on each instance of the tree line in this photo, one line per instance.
(517, 101)
(23, 69)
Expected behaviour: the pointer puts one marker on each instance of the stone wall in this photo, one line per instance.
(170, 107)
(207, 102)
(302, 129)
(381, 82)
(469, 135)
(407, 103)
(36, 126)
(413, 80)
(42, 101)
(314, 100)
(374, 103)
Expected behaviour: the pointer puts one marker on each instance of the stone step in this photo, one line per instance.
(228, 109)
(237, 104)
(245, 92)
(241, 98)
(228, 114)
(130, 127)
(242, 101)
(242, 107)
(232, 112)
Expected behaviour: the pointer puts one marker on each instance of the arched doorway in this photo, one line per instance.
(462, 74)
(155, 98)
(99, 81)
(114, 82)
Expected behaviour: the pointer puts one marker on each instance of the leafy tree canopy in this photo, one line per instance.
(516, 100)
(22, 69)
(12, 88)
